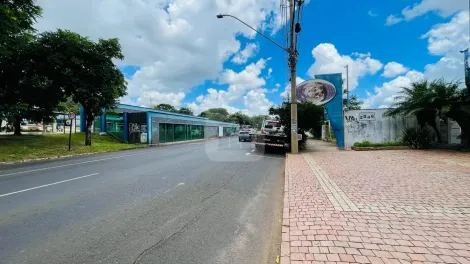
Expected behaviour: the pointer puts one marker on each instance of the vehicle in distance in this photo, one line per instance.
(244, 136)
(271, 127)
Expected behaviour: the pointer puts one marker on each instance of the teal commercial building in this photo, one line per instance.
(135, 124)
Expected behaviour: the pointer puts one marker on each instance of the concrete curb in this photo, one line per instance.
(91, 153)
(379, 148)
(63, 157)
(285, 243)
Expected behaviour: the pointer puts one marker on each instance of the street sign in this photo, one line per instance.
(71, 115)
(68, 122)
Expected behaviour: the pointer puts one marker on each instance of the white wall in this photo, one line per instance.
(454, 133)
(371, 125)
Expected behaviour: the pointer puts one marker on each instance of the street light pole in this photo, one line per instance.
(293, 86)
(292, 64)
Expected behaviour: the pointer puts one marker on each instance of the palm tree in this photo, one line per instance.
(429, 100)
(454, 103)
(415, 101)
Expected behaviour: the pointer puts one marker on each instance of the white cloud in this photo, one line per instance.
(240, 82)
(393, 69)
(449, 37)
(445, 40)
(213, 99)
(328, 60)
(371, 13)
(152, 98)
(384, 95)
(392, 20)
(243, 86)
(249, 51)
(270, 71)
(256, 103)
(444, 8)
(287, 93)
(177, 44)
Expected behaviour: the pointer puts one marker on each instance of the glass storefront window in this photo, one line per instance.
(162, 133)
(180, 132)
(176, 132)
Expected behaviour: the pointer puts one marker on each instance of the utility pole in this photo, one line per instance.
(293, 76)
(347, 86)
(292, 61)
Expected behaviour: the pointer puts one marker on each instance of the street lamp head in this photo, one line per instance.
(220, 16)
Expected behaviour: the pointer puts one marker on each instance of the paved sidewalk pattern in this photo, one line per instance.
(376, 207)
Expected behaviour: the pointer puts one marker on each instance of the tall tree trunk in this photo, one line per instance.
(89, 127)
(17, 126)
(434, 126)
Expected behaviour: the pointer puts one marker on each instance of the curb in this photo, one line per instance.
(63, 157)
(285, 242)
(379, 148)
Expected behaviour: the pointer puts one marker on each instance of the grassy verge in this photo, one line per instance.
(26, 147)
(386, 144)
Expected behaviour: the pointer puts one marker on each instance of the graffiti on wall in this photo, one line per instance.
(134, 128)
(361, 125)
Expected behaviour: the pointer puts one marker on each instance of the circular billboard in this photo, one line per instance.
(318, 92)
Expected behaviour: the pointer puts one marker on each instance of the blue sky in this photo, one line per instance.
(178, 52)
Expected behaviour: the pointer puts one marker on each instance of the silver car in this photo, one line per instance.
(244, 136)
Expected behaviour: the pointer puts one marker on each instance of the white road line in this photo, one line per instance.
(252, 150)
(247, 154)
(42, 186)
(85, 162)
(266, 157)
(179, 184)
(71, 164)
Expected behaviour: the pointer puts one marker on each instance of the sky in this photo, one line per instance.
(178, 52)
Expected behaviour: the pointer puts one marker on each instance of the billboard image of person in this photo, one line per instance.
(318, 92)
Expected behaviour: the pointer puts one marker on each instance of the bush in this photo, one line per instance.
(416, 138)
(366, 143)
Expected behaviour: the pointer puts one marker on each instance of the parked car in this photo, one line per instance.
(244, 136)
(31, 127)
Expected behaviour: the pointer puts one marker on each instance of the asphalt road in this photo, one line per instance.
(207, 202)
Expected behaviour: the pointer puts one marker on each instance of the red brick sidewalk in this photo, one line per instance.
(376, 207)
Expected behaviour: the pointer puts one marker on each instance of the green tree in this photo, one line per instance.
(17, 17)
(240, 119)
(217, 114)
(185, 111)
(429, 100)
(257, 121)
(309, 117)
(68, 106)
(84, 70)
(165, 107)
(26, 92)
(353, 103)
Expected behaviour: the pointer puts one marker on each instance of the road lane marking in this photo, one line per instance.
(179, 184)
(266, 157)
(247, 154)
(50, 184)
(89, 161)
(72, 164)
(84, 162)
(252, 150)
